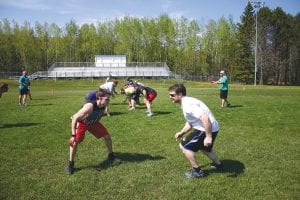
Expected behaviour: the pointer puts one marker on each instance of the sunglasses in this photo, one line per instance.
(172, 95)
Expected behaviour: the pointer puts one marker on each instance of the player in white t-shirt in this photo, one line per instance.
(110, 88)
(205, 129)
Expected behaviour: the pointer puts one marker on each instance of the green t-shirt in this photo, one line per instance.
(224, 81)
(23, 82)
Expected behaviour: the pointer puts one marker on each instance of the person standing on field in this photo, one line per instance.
(223, 86)
(87, 119)
(205, 129)
(23, 88)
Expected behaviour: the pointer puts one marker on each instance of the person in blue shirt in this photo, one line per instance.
(23, 88)
(223, 86)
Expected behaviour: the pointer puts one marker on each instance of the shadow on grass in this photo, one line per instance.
(137, 157)
(38, 99)
(233, 167)
(235, 106)
(122, 158)
(18, 125)
(42, 104)
(162, 113)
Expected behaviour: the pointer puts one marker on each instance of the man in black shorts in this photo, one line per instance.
(223, 86)
(205, 129)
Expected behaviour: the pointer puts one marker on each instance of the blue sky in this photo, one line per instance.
(93, 11)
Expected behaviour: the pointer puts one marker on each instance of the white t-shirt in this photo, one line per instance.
(109, 87)
(192, 109)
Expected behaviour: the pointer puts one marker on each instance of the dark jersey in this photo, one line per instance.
(142, 88)
(95, 115)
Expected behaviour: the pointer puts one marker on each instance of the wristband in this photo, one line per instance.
(73, 135)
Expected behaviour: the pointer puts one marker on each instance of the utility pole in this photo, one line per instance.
(257, 6)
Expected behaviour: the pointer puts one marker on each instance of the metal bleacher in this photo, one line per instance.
(89, 70)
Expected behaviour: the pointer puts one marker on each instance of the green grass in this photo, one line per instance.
(258, 142)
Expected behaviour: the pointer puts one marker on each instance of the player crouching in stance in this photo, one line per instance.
(87, 118)
(205, 129)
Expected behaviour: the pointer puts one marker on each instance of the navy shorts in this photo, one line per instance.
(223, 94)
(23, 91)
(195, 141)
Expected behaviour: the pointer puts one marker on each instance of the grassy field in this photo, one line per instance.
(258, 143)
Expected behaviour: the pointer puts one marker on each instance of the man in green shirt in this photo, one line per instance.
(223, 86)
(23, 88)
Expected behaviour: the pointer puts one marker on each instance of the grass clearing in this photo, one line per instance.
(258, 142)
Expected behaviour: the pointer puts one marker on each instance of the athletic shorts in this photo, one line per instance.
(151, 96)
(195, 141)
(23, 91)
(223, 94)
(97, 129)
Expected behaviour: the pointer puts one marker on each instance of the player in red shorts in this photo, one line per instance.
(149, 95)
(87, 119)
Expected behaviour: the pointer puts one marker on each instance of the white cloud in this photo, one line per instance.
(166, 5)
(26, 4)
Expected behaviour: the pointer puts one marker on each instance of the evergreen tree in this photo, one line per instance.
(246, 34)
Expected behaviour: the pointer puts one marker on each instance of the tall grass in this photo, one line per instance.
(258, 143)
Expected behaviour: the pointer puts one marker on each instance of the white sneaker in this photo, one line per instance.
(150, 114)
(132, 108)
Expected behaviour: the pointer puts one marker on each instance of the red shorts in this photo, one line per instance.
(151, 96)
(97, 129)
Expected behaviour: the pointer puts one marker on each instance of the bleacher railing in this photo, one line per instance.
(90, 69)
(92, 64)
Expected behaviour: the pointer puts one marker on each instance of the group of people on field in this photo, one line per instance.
(200, 123)
(133, 90)
(198, 116)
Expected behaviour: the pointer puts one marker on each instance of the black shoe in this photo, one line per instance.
(114, 162)
(111, 156)
(228, 105)
(69, 170)
(217, 167)
(194, 174)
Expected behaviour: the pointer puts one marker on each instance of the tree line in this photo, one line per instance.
(190, 48)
